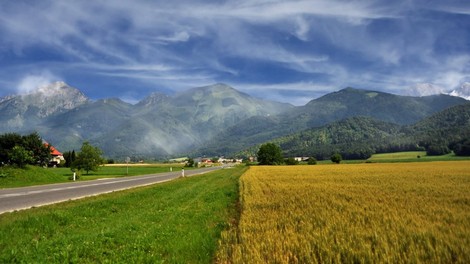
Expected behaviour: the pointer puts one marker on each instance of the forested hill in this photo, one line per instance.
(359, 137)
(333, 107)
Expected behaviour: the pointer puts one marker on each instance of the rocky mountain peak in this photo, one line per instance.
(153, 99)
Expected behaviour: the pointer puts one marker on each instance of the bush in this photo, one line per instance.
(336, 158)
(291, 161)
(312, 161)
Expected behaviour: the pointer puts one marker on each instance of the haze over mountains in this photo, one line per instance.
(214, 119)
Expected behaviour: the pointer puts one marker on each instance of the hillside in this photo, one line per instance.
(359, 137)
(346, 103)
(157, 126)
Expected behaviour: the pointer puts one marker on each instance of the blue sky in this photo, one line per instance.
(290, 51)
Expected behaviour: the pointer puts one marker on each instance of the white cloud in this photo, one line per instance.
(31, 82)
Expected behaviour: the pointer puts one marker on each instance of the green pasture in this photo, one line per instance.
(413, 156)
(174, 222)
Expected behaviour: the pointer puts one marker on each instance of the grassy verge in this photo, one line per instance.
(174, 222)
(33, 175)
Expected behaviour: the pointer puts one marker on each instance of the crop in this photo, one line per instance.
(353, 213)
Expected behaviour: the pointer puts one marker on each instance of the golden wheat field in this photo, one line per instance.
(356, 213)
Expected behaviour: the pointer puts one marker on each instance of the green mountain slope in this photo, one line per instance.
(346, 103)
(359, 137)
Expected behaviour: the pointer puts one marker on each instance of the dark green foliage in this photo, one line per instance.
(336, 158)
(30, 149)
(69, 157)
(89, 158)
(269, 154)
(291, 161)
(20, 156)
(462, 148)
(190, 163)
(437, 150)
(312, 161)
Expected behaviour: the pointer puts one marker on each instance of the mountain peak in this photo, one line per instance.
(153, 98)
(54, 97)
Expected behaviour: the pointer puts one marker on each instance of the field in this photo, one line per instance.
(352, 213)
(413, 156)
(174, 222)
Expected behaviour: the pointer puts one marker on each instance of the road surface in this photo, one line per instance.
(27, 197)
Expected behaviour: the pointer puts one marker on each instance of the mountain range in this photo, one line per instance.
(210, 120)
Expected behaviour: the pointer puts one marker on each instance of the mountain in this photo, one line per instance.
(360, 137)
(349, 102)
(21, 112)
(159, 125)
(463, 91)
(215, 119)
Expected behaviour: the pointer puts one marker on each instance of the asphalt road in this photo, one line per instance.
(27, 197)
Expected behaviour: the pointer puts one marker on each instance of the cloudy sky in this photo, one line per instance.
(291, 51)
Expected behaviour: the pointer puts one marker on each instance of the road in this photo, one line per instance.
(27, 197)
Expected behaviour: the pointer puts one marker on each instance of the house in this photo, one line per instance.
(57, 157)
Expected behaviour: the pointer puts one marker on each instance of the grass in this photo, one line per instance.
(174, 222)
(353, 213)
(413, 156)
(33, 175)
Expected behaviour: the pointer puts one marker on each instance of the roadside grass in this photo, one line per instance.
(33, 175)
(173, 222)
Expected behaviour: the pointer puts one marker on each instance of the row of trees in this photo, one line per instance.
(271, 154)
(17, 150)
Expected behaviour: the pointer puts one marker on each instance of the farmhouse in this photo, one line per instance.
(57, 156)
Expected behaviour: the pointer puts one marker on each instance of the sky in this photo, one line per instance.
(289, 51)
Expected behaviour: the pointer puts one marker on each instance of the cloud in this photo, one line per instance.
(177, 44)
(31, 82)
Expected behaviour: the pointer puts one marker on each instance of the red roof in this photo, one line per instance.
(54, 151)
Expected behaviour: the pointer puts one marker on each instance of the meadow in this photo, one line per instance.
(352, 213)
(174, 222)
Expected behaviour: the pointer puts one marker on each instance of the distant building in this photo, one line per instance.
(57, 157)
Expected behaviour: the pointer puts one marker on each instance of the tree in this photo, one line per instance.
(437, 150)
(7, 142)
(336, 158)
(269, 154)
(312, 161)
(190, 162)
(20, 156)
(89, 158)
(462, 148)
(41, 152)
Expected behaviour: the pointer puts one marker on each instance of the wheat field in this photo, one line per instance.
(352, 213)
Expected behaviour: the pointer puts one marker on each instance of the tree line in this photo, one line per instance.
(21, 150)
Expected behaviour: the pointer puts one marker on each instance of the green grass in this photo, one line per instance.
(413, 156)
(174, 222)
(32, 175)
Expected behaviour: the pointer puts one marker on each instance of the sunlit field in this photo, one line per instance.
(353, 213)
